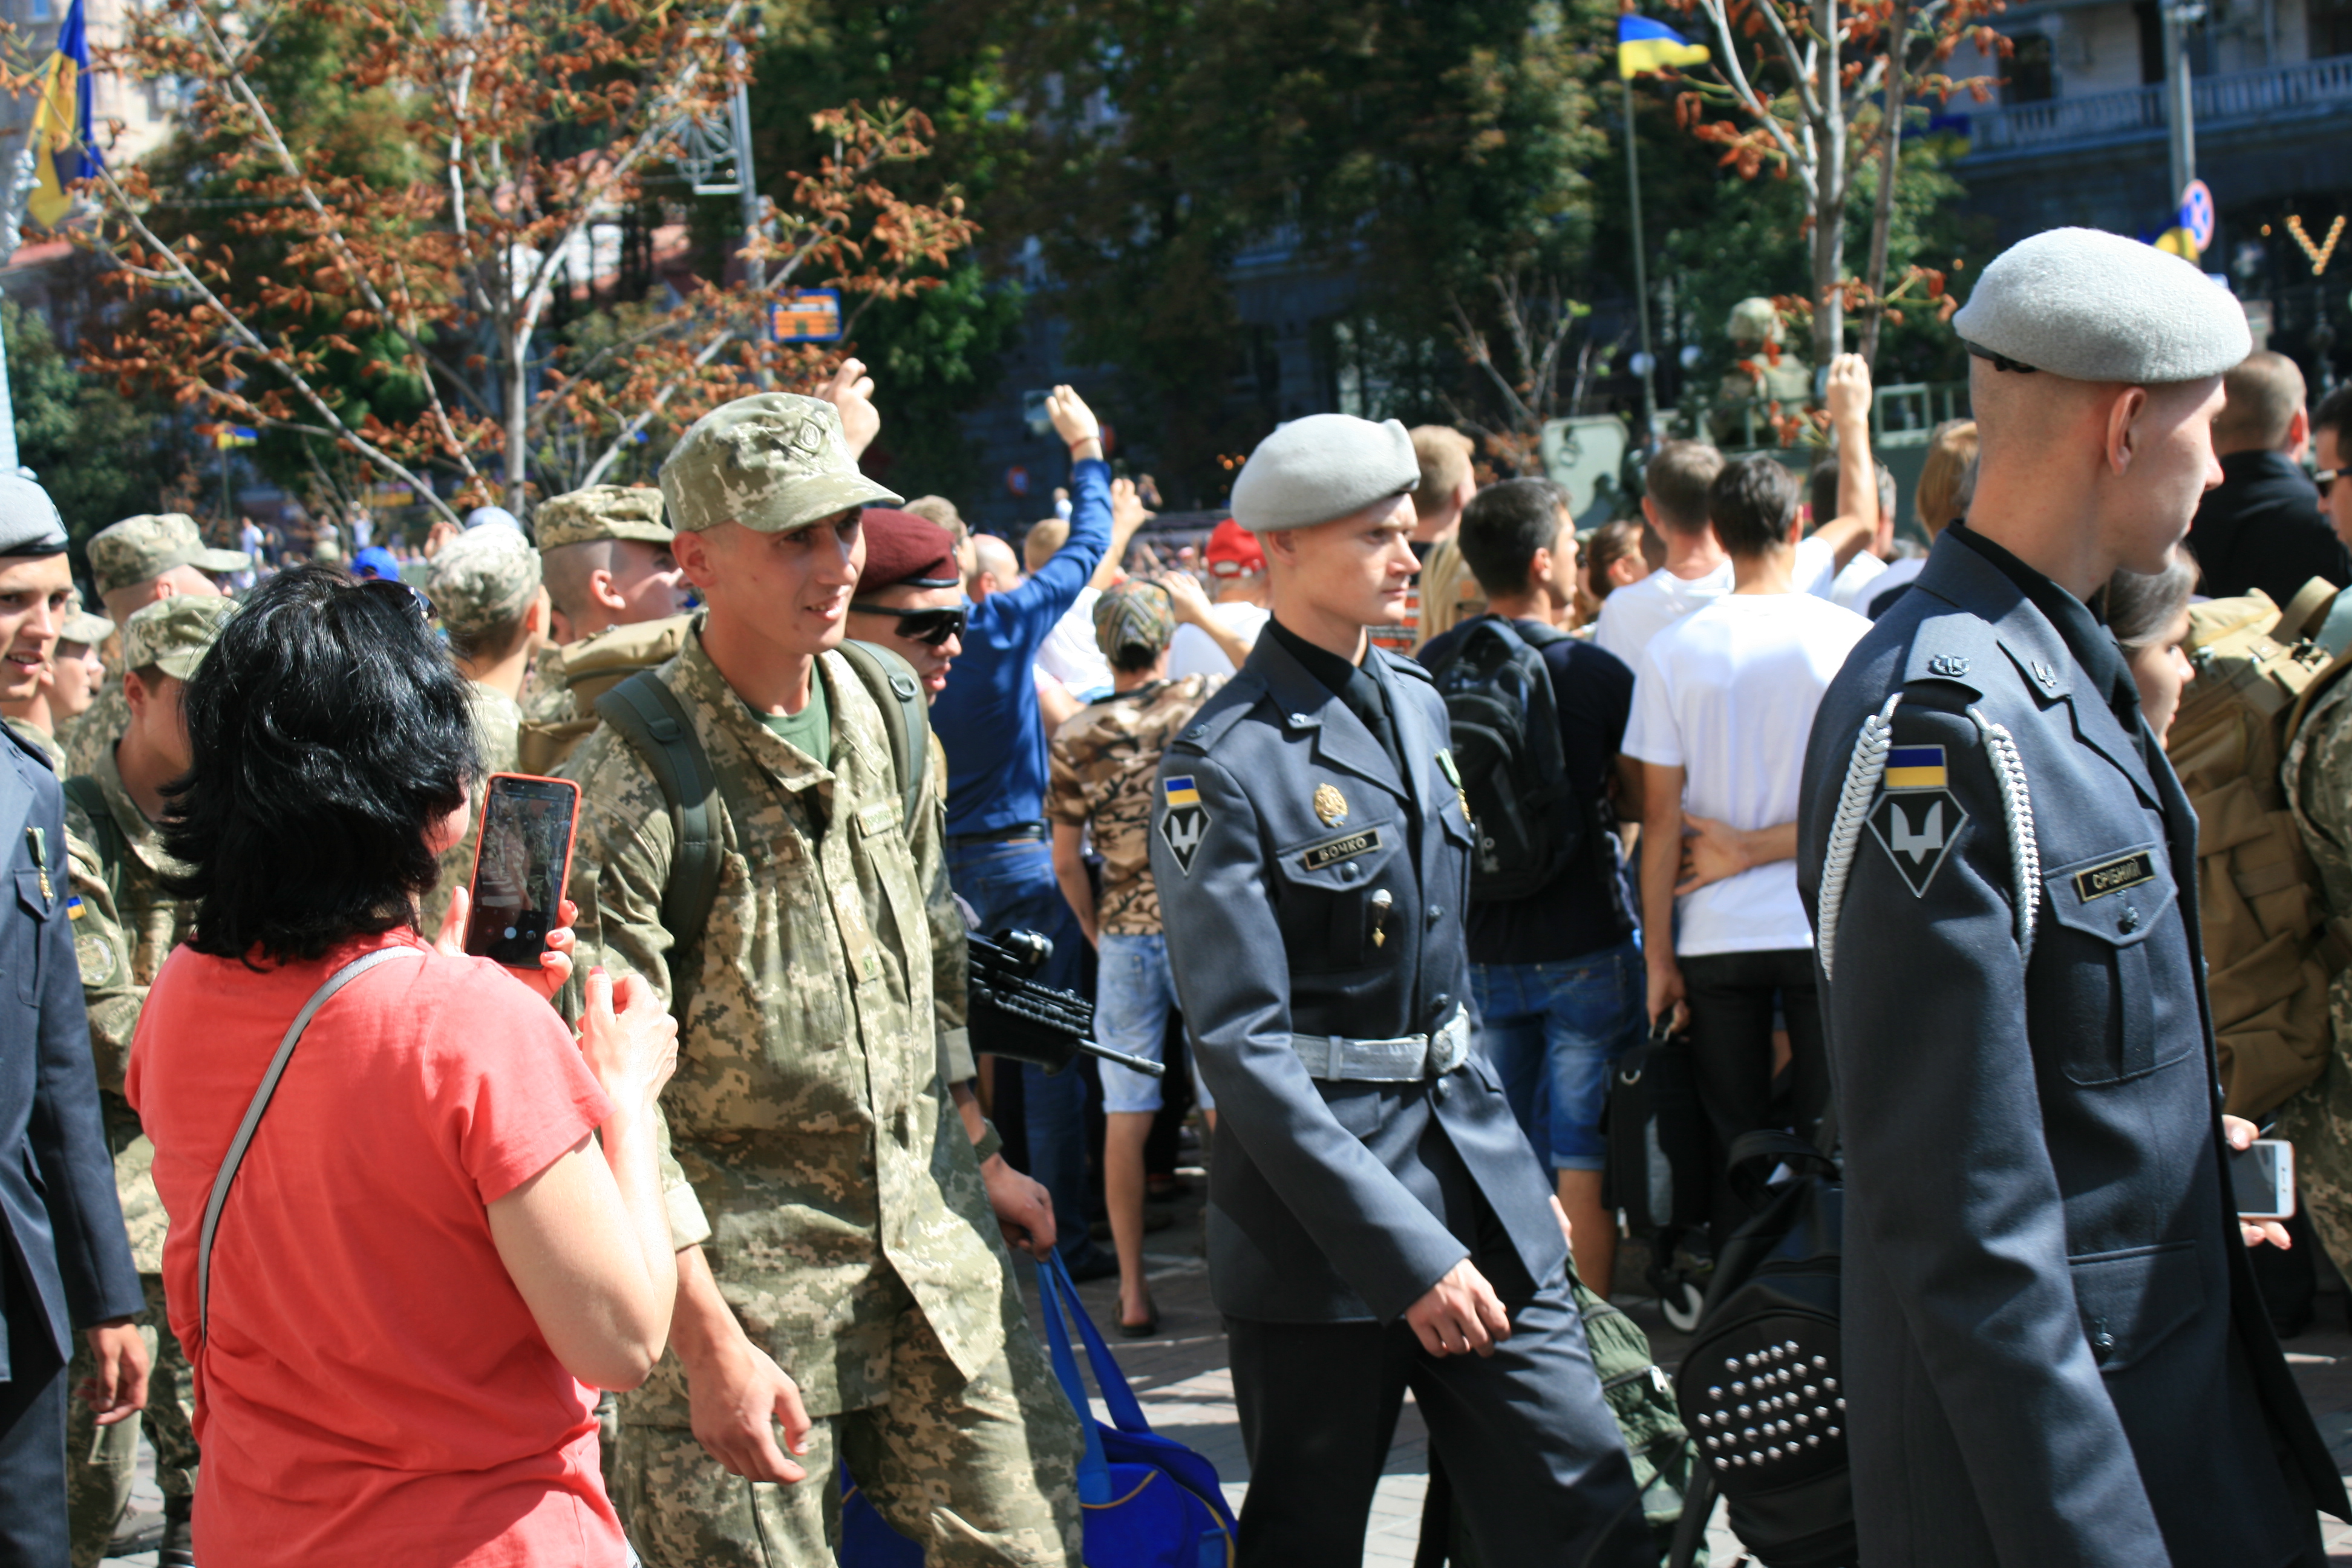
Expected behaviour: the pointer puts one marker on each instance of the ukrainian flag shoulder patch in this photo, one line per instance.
(1915, 767)
(1178, 791)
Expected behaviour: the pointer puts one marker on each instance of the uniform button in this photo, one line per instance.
(1299, 720)
(2127, 920)
(1196, 731)
(1349, 871)
(1435, 915)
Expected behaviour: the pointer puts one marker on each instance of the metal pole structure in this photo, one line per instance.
(2179, 107)
(1641, 272)
(12, 210)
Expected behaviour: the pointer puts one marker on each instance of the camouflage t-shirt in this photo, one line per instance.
(1104, 760)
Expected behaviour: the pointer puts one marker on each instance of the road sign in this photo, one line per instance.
(2197, 214)
(810, 316)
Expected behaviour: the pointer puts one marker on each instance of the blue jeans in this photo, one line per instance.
(1553, 1031)
(1011, 886)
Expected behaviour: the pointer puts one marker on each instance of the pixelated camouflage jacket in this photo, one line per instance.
(92, 734)
(547, 696)
(124, 926)
(2318, 1121)
(813, 1150)
(498, 727)
(1105, 757)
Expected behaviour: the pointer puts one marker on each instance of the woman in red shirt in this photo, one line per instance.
(448, 1225)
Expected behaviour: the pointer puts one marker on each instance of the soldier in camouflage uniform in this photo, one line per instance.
(137, 562)
(485, 587)
(1104, 761)
(840, 1267)
(2318, 1121)
(67, 687)
(605, 554)
(124, 925)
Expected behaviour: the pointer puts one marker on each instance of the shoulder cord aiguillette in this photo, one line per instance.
(1868, 766)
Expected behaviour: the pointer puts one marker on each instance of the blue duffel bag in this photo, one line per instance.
(1148, 1501)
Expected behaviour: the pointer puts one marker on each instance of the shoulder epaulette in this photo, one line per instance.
(1959, 649)
(1406, 665)
(1220, 713)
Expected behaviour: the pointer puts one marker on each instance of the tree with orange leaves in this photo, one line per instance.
(1813, 90)
(531, 125)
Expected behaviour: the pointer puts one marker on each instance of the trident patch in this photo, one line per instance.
(1917, 828)
(1183, 820)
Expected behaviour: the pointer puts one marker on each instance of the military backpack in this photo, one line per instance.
(2270, 943)
(589, 668)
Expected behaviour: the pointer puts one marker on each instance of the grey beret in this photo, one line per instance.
(2093, 306)
(29, 524)
(1323, 467)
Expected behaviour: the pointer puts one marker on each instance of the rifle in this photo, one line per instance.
(1013, 1016)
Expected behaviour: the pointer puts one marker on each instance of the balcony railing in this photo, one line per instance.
(2219, 100)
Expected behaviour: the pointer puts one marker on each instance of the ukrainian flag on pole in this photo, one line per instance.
(1642, 45)
(64, 149)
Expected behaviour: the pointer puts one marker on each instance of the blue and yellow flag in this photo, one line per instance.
(1642, 45)
(63, 150)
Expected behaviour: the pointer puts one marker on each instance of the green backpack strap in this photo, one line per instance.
(87, 793)
(891, 681)
(649, 716)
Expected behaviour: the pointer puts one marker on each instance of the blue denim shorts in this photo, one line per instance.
(1134, 992)
(1553, 1031)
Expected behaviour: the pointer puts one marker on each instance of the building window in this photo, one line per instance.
(2330, 23)
(2029, 78)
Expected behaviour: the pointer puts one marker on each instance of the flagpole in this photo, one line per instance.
(11, 218)
(1640, 267)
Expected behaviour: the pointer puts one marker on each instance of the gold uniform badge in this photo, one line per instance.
(1331, 805)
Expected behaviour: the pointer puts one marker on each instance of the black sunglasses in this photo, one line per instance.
(2325, 478)
(933, 627)
(412, 598)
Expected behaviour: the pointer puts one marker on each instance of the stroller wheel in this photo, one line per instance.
(1682, 1301)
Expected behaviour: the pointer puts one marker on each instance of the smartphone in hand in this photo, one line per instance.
(2262, 1179)
(522, 859)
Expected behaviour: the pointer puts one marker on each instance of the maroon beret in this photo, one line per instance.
(903, 548)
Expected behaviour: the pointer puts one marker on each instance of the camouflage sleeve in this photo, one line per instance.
(1065, 795)
(620, 863)
(108, 993)
(951, 963)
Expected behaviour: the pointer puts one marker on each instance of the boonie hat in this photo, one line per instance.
(482, 578)
(601, 512)
(150, 544)
(903, 548)
(79, 626)
(174, 633)
(772, 462)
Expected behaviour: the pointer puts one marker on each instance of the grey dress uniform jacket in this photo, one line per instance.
(2055, 1351)
(1328, 1201)
(65, 1248)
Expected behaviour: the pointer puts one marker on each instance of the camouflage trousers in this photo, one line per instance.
(982, 1473)
(2318, 1122)
(102, 1462)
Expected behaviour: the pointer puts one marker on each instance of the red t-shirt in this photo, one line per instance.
(374, 1390)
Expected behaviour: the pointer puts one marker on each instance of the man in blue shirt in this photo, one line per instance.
(999, 860)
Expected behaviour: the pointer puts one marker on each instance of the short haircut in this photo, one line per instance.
(2141, 608)
(2264, 389)
(992, 555)
(1504, 526)
(941, 511)
(1751, 503)
(1822, 491)
(566, 569)
(1951, 450)
(330, 733)
(1609, 543)
(2335, 413)
(488, 643)
(1676, 482)
(1043, 543)
(1443, 453)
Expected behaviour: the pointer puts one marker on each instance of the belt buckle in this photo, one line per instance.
(1449, 1047)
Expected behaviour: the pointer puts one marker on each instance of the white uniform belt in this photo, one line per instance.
(1336, 1058)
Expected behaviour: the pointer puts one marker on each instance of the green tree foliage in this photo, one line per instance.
(100, 456)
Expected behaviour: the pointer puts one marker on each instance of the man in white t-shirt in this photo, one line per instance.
(1696, 570)
(1237, 588)
(1723, 702)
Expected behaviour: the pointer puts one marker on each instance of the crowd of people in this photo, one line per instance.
(1386, 824)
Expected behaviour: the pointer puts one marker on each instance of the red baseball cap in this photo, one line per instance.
(903, 548)
(1233, 552)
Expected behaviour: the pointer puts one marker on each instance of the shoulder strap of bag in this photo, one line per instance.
(649, 716)
(87, 793)
(890, 679)
(261, 1096)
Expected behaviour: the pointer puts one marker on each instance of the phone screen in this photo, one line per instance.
(2260, 1180)
(520, 865)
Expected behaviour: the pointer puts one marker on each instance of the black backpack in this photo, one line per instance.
(1762, 1385)
(1506, 730)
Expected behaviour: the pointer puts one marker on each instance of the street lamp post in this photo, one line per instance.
(2180, 108)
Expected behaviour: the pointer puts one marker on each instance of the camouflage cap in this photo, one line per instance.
(150, 544)
(79, 626)
(1134, 614)
(174, 633)
(482, 578)
(601, 512)
(773, 463)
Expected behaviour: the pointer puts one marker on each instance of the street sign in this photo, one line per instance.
(809, 316)
(2197, 214)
